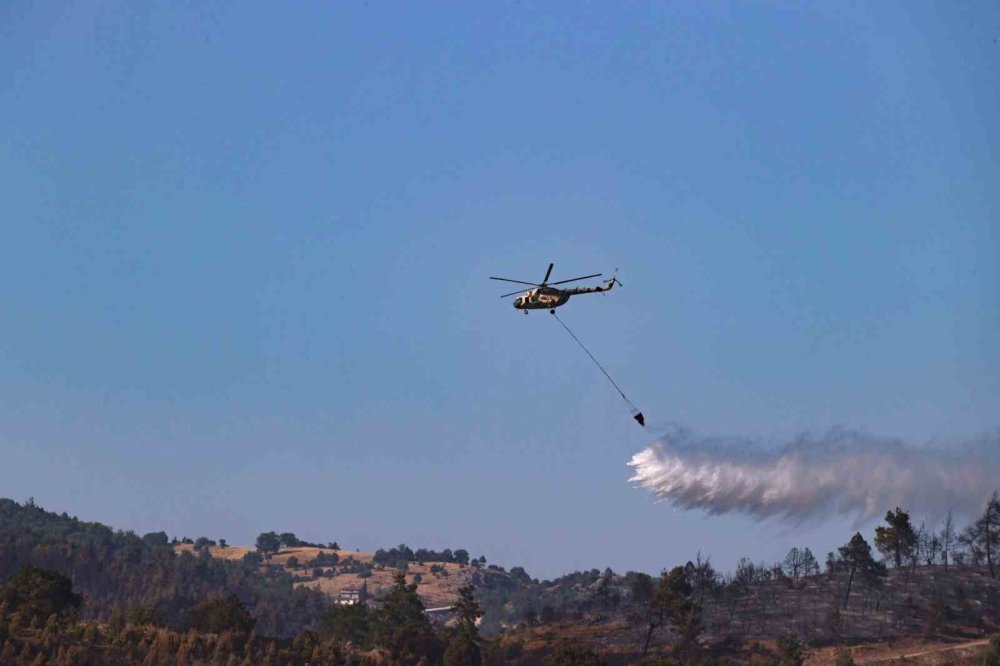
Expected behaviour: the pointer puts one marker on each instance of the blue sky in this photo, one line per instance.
(246, 248)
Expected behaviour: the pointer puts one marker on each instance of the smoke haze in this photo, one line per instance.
(843, 472)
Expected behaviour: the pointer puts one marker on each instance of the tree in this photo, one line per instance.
(304, 644)
(702, 576)
(641, 588)
(548, 615)
(672, 601)
(252, 559)
(347, 624)
(519, 575)
(401, 626)
(947, 538)
(793, 564)
(990, 525)
(810, 567)
(155, 540)
(268, 543)
(856, 558)
(464, 648)
(603, 589)
(220, 615)
(323, 559)
(897, 539)
(832, 564)
(983, 536)
(38, 593)
(461, 556)
(143, 614)
(467, 611)
(928, 545)
(114, 569)
(289, 540)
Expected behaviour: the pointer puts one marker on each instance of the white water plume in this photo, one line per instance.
(842, 472)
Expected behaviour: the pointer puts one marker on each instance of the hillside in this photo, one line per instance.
(923, 611)
(929, 613)
(120, 572)
(437, 582)
(926, 600)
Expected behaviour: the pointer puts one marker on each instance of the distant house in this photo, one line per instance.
(353, 596)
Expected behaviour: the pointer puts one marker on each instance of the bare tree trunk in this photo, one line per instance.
(653, 624)
(849, 582)
(989, 554)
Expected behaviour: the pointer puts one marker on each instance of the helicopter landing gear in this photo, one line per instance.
(525, 312)
(552, 311)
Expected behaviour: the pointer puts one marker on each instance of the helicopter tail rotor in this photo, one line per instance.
(609, 284)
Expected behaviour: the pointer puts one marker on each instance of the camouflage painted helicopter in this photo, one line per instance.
(545, 295)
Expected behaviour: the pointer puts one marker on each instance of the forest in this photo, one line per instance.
(75, 592)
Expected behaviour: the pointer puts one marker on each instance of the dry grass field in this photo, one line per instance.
(227, 553)
(435, 589)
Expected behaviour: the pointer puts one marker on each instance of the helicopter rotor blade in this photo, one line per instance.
(577, 278)
(519, 291)
(547, 274)
(533, 284)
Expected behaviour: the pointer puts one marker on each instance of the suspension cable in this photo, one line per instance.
(636, 414)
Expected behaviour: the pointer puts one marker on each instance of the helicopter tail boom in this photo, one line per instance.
(607, 286)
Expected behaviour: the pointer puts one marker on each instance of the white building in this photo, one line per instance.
(353, 596)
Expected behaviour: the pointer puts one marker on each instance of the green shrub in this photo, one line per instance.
(221, 615)
(844, 658)
(574, 654)
(790, 651)
(990, 656)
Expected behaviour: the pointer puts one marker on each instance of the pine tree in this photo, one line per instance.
(983, 536)
(38, 593)
(897, 539)
(856, 558)
(810, 567)
(401, 626)
(672, 601)
(464, 648)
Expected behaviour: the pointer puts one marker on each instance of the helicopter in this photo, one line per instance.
(545, 295)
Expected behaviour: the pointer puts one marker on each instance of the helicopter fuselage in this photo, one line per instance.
(549, 298)
(541, 298)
